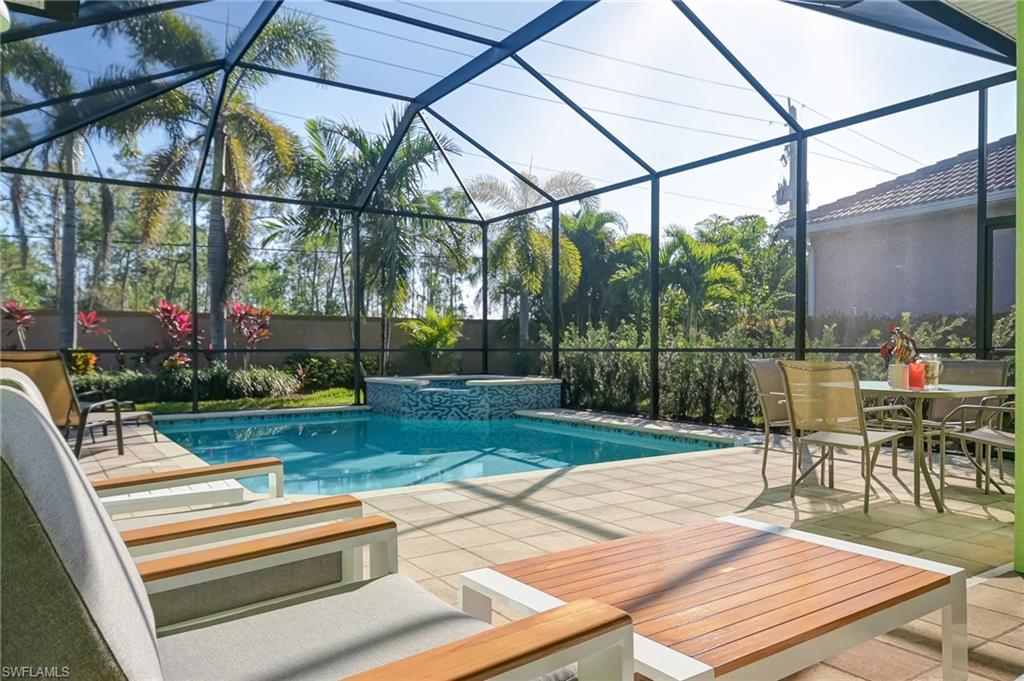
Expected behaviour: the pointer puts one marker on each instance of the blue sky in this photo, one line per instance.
(645, 73)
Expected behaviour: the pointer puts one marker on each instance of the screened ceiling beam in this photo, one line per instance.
(108, 87)
(494, 157)
(923, 100)
(837, 12)
(96, 13)
(533, 30)
(124, 105)
(968, 26)
(324, 81)
(448, 161)
(411, 21)
(260, 18)
(245, 196)
(737, 64)
(582, 113)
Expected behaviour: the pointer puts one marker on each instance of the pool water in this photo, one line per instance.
(339, 453)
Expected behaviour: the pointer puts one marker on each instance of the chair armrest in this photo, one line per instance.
(88, 393)
(89, 407)
(893, 408)
(214, 528)
(187, 569)
(128, 484)
(514, 646)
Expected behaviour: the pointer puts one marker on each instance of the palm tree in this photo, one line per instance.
(248, 146)
(629, 287)
(37, 66)
(593, 232)
(519, 248)
(336, 167)
(705, 272)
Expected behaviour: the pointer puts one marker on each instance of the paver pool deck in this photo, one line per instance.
(448, 528)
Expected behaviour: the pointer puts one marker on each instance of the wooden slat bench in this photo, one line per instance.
(735, 598)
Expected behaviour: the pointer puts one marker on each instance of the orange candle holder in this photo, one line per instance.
(916, 376)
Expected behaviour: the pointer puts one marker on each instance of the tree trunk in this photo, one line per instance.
(67, 301)
(524, 317)
(216, 247)
(55, 214)
(102, 257)
(17, 192)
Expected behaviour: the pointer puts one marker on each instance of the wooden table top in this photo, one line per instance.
(725, 594)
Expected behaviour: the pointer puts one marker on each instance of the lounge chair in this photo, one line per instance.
(176, 529)
(74, 600)
(50, 374)
(826, 409)
(771, 397)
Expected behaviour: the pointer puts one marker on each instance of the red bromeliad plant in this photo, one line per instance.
(22, 319)
(92, 325)
(252, 323)
(178, 324)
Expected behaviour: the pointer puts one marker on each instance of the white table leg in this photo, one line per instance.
(954, 631)
(475, 603)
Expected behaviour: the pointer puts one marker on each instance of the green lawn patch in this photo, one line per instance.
(333, 397)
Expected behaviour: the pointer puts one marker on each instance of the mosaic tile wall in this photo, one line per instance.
(458, 401)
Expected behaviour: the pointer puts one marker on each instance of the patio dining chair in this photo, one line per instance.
(771, 398)
(826, 409)
(78, 601)
(988, 436)
(989, 372)
(49, 373)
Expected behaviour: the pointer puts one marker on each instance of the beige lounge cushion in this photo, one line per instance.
(80, 533)
(329, 638)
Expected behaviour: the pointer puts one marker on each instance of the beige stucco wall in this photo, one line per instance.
(136, 330)
(923, 265)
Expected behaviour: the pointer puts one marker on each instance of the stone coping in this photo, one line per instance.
(258, 413)
(480, 380)
(638, 424)
(386, 380)
(526, 380)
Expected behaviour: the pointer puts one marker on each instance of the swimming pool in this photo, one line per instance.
(359, 451)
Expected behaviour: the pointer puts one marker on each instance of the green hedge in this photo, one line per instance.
(217, 382)
(321, 372)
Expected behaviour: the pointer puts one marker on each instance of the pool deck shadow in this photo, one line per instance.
(448, 528)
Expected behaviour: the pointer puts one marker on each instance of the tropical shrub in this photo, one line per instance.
(432, 334)
(18, 320)
(82, 362)
(216, 382)
(321, 372)
(262, 382)
(252, 323)
(606, 381)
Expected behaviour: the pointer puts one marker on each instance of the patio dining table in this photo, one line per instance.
(918, 397)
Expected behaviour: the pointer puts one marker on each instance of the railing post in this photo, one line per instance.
(983, 280)
(357, 310)
(556, 295)
(655, 292)
(800, 321)
(483, 295)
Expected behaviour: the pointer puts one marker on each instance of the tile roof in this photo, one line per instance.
(950, 178)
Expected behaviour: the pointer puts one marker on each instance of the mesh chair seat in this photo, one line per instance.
(851, 440)
(1000, 439)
